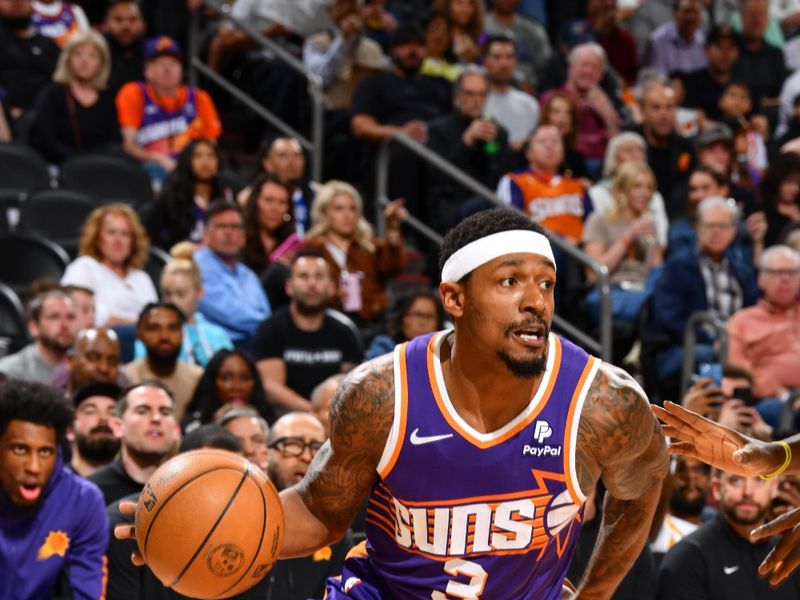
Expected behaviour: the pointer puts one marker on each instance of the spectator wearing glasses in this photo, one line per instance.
(234, 298)
(765, 338)
(293, 442)
(412, 315)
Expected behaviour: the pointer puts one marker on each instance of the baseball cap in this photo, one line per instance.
(162, 46)
(721, 32)
(106, 389)
(715, 132)
(576, 32)
(407, 33)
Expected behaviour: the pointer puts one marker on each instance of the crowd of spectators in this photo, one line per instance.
(659, 137)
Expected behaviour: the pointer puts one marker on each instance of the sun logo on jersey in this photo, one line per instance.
(57, 542)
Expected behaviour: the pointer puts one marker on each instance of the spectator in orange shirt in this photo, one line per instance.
(160, 116)
(765, 338)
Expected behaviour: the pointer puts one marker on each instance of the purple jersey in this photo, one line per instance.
(164, 131)
(59, 27)
(461, 514)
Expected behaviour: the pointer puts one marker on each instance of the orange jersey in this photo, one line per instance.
(558, 203)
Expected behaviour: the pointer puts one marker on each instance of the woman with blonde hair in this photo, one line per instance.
(113, 250)
(360, 264)
(75, 113)
(624, 147)
(623, 238)
(182, 284)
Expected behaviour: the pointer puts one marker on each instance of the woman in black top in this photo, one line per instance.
(780, 195)
(179, 212)
(75, 114)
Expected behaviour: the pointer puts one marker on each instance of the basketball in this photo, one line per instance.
(209, 524)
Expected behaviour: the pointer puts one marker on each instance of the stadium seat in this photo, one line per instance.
(155, 264)
(57, 215)
(13, 323)
(25, 258)
(22, 171)
(107, 178)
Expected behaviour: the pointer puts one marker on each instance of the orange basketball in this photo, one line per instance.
(209, 524)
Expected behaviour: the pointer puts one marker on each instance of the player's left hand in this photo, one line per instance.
(717, 445)
(128, 532)
(784, 558)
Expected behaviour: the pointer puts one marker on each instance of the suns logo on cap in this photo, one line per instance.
(163, 43)
(57, 542)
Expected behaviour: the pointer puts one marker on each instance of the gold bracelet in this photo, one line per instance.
(788, 460)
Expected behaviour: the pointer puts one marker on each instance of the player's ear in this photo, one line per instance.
(452, 295)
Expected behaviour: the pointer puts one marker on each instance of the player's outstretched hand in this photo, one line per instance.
(785, 556)
(717, 445)
(128, 532)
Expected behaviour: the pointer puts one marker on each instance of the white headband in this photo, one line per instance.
(481, 251)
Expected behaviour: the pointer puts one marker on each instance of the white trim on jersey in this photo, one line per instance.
(393, 438)
(576, 420)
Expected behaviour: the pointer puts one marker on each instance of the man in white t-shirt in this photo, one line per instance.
(515, 110)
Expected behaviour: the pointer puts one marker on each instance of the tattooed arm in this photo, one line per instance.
(621, 442)
(319, 509)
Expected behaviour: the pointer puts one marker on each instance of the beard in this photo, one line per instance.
(307, 309)
(525, 368)
(679, 505)
(98, 451)
(758, 518)
(54, 345)
(163, 359)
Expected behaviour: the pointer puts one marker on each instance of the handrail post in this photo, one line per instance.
(381, 184)
(317, 126)
(194, 44)
(690, 342)
(606, 315)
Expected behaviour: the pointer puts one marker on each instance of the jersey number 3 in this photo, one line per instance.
(467, 591)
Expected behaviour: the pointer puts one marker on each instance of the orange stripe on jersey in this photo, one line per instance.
(359, 550)
(574, 486)
(511, 432)
(401, 430)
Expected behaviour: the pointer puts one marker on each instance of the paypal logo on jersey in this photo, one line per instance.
(541, 432)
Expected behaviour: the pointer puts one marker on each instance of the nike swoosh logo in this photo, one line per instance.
(419, 440)
(730, 570)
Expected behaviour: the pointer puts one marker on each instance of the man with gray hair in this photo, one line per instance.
(470, 140)
(765, 338)
(51, 324)
(705, 278)
(598, 120)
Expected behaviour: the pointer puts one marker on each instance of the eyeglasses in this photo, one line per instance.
(295, 447)
(718, 226)
(781, 272)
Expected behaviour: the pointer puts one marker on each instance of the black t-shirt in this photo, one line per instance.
(703, 92)
(126, 64)
(26, 66)
(763, 70)
(671, 165)
(54, 132)
(394, 100)
(310, 356)
(114, 482)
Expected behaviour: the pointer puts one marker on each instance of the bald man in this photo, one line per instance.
(94, 356)
(294, 440)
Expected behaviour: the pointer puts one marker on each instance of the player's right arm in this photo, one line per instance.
(319, 510)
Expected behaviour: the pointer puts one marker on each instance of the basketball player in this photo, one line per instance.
(477, 447)
(730, 451)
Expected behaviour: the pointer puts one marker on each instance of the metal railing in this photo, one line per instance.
(690, 339)
(314, 144)
(604, 346)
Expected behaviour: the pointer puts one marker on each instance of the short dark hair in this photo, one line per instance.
(308, 252)
(482, 224)
(122, 403)
(151, 306)
(210, 436)
(36, 403)
(217, 207)
(497, 39)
